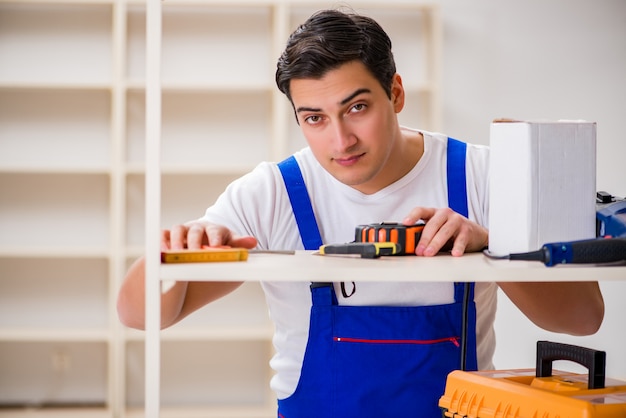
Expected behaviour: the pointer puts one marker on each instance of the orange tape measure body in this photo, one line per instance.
(405, 236)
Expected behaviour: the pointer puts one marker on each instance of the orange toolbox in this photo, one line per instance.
(540, 392)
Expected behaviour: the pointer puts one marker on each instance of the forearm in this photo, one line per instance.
(131, 299)
(575, 308)
(179, 301)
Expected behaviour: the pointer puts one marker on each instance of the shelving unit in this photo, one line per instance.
(306, 267)
(72, 171)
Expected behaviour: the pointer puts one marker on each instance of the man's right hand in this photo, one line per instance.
(195, 235)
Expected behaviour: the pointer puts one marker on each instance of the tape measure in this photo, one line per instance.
(405, 236)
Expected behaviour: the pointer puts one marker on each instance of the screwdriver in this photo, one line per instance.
(364, 249)
(590, 251)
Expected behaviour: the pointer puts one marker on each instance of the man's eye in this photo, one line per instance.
(359, 107)
(313, 119)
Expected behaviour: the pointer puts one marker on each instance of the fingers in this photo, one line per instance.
(218, 235)
(461, 241)
(446, 229)
(165, 240)
(243, 242)
(178, 237)
(195, 235)
(198, 235)
(440, 229)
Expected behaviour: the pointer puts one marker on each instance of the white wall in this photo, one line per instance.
(542, 59)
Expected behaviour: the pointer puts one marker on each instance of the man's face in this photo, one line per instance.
(351, 125)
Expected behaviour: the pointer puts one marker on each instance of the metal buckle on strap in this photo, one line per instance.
(315, 285)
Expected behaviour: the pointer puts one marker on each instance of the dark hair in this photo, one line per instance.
(331, 38)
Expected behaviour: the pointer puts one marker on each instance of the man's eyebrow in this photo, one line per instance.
(353, 95)
(342, 102)
(307, 109)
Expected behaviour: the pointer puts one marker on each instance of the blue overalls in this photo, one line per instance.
(377, 361)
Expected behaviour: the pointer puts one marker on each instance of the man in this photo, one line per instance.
(367, 349)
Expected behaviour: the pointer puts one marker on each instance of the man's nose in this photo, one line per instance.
(344, 137)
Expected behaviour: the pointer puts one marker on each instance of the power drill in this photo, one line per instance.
(609, 245)
(610, 215)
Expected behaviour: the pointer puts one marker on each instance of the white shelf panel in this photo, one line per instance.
(61, 210)
(55, 129)
(58, 335)
(77, 39)
(54, 169)
(246, 86)
(55, 85)
(204, 128)
(231, 43)
(72, 252)
(53, 373)
(236, 170)
(305, 266)
(54, 293)
(56, 412)
(204, 374)
(63, 2)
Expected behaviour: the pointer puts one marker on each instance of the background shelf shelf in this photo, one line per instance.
(72, 173)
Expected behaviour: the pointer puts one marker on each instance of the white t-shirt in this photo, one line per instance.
(257, 204)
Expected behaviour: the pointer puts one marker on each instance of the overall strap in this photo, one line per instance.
(457, 184)
(457, 194)
(322, 293)
(459, 291)
(457, 201)
(300, 203)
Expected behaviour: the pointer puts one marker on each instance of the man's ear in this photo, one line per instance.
(397, 93)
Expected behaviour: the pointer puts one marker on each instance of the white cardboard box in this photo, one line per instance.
(542, 184)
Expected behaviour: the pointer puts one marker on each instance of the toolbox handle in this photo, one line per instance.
(593, 360)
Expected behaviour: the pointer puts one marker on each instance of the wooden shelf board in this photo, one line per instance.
(306, 267)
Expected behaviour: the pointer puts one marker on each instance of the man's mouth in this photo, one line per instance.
(348, 161)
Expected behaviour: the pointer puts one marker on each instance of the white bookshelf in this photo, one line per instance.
(72, 171)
